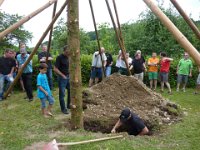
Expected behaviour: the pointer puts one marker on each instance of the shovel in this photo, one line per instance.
(53, 145)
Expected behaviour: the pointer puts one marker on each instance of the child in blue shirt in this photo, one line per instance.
(43, 91)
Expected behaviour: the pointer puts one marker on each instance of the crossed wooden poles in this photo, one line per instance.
(181, 39)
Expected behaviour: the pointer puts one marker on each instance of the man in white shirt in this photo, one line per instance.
(96, 71)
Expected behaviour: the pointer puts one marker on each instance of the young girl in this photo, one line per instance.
(44, 92)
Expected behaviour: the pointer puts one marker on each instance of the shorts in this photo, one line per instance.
(96, 73)
(153, 75)
(164, 76)
(182, 78)
(50, 99)
(139, 76)
(198, 79)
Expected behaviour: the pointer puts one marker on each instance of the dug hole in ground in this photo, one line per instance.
(105, 101)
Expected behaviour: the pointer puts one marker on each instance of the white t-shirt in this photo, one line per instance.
(96, 59)
(123, 64)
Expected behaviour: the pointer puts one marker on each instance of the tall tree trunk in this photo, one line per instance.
(75, 64)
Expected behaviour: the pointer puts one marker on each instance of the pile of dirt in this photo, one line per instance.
(105, 101)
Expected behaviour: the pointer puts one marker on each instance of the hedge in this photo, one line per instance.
(86, 66)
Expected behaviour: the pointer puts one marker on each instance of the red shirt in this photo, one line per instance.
(164, 65)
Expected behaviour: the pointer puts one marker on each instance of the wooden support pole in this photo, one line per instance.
(51, 31)
(25, 19)
(75, 64)
(118, 24)
(97, 35)
(187, 18)
(35, 49)
(181, 39)
(90, 141)
(118, 38)
(1, 2)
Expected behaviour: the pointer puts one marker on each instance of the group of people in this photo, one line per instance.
(11, 63)
(156, 67)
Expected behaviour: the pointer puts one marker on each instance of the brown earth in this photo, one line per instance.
(105, 101)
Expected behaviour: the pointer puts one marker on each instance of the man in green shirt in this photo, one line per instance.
(184, 69)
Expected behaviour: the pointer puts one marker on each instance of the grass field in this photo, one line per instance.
(22, 125)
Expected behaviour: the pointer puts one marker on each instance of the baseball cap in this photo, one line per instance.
(125, 114)
(22, 50)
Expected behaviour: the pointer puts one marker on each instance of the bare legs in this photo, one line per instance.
(153, 82)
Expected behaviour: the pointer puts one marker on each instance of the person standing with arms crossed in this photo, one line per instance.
(153, 70)
(42, 59)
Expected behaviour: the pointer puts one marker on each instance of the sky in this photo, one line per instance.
(128, 11)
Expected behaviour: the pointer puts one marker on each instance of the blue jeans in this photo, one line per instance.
(3, 88)
(49, 77)
(108, 71)
(49, 98)
(64, 84)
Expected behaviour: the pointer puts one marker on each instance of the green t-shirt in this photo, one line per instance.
(184, 66)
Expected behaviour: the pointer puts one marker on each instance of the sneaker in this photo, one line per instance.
(65, 112)
(177, 90)
(195, 93)
(30, 99)
(183, 89)
(1, 99)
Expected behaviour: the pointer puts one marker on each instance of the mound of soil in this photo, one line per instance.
(105, 101)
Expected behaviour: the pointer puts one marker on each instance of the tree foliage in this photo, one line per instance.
(17, 36)
(147, 34)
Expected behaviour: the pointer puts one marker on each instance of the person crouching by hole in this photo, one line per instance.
(43, 91)
(133, 124)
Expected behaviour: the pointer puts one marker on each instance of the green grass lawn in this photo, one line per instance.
(22, 125)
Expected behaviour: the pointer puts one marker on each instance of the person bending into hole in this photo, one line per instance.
(133, 124)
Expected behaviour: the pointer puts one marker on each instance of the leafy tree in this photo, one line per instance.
(17, 36)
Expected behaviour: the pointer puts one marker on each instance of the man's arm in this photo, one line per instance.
(169, 59)
(58, 72)
(117, 125)
(191, 67)
(144, 65)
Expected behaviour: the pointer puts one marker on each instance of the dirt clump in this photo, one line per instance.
(104, 102)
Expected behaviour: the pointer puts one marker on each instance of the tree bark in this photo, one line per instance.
(75, 65)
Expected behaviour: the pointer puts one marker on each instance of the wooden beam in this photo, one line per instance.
(187, 18)
(25, 19)
(123, 50)
(51, 31)
(181, 39)
(1, 2)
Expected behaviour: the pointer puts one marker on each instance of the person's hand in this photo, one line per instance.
(113, 131)
(46, 93)
(64, 77)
